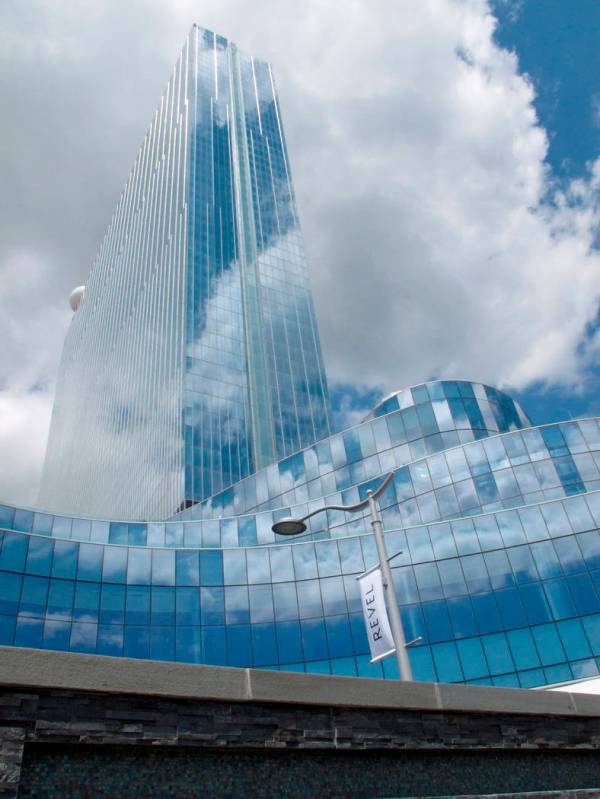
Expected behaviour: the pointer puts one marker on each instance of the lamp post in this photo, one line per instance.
(291, 526)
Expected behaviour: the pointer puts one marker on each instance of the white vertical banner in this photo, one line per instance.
(377, 624)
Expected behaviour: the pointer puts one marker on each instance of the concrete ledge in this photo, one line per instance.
(484, 699)
(37, 668)
(292, 687)
(40, 669)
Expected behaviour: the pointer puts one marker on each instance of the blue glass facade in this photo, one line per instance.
(192, 392)
(254, 387)
(194, 356)
(433, 417)
(497, 527)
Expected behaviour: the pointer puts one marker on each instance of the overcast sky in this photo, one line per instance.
(442, 238)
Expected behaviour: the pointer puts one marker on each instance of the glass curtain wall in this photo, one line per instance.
(115, 442)
(494, 532)
(255, 387)
(194, 357)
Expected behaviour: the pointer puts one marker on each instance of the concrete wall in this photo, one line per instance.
(123, 727)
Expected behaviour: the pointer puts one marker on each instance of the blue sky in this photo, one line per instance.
(557, 45)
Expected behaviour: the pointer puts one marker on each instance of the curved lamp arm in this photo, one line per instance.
(292, 526)
(358, 506)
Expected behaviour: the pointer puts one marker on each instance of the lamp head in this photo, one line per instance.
(289, 527)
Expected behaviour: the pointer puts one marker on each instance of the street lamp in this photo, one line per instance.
(291, 526)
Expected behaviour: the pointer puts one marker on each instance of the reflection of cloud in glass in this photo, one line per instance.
(194, 354)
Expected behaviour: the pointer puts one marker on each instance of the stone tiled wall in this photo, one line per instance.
(100, 740)
(82, 771)
(12, 740)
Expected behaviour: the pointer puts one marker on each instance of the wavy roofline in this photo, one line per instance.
(286, 507)
(304, 539)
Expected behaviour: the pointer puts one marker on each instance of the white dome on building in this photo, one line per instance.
(76, 297)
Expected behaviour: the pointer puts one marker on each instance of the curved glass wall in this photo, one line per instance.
(496, 526)
(508, 598)
(439, 416)
(503, 471)
(509, 411)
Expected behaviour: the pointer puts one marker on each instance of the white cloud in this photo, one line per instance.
(33, 322)
(419, 169)
(437, 253)
(32, 329)
(24, 419)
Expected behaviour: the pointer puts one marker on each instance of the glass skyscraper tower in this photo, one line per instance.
(193, 358)
(192, 398)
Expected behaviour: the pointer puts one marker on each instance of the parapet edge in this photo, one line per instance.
(30, 669)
